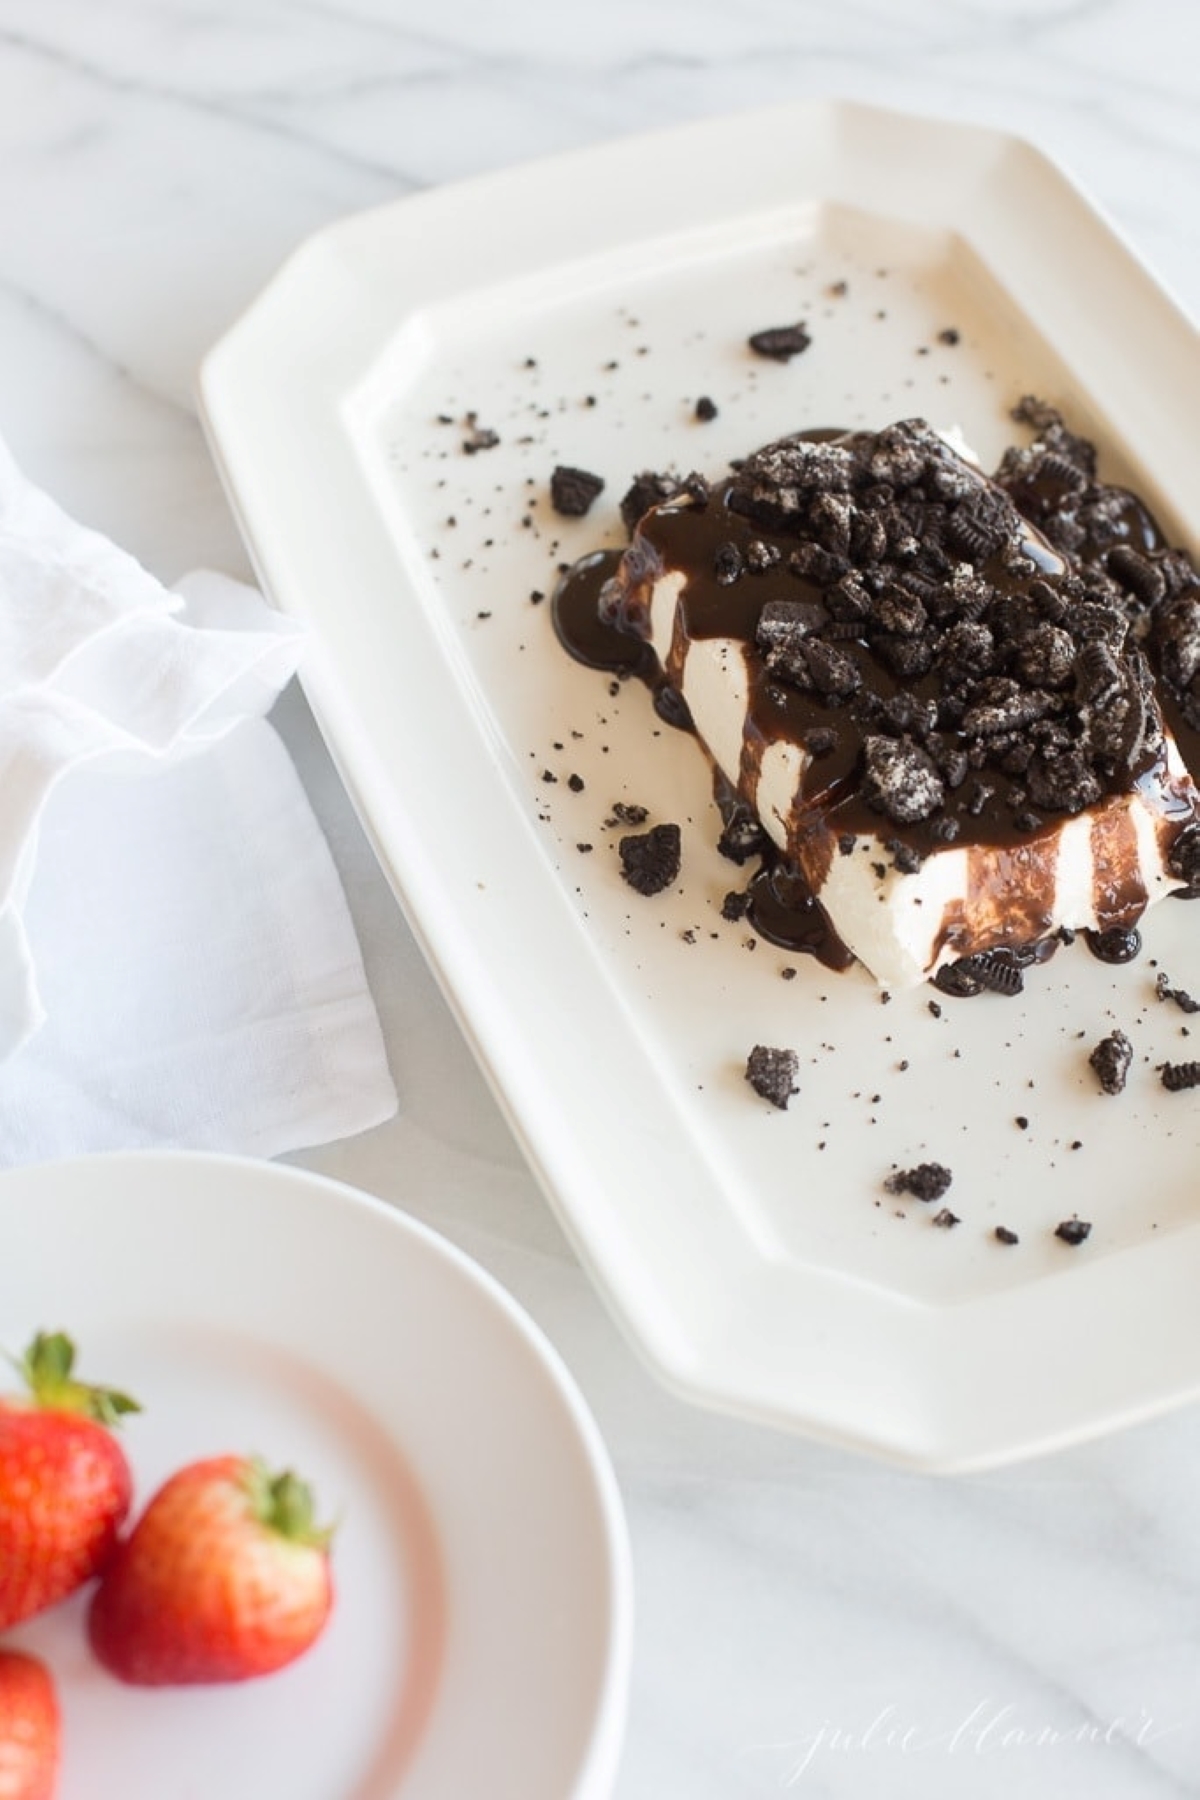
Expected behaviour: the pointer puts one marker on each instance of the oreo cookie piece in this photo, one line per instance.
(1178, 1077)
(780, 342)
(651, 860)
(927, 1181)
(1182, 999)
(772, 1074)
(572, 491)
(1111, 1061)
(1073, 1231)
(646, 490)
(1184, 860)
(900, 779)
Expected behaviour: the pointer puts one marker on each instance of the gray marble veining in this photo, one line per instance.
(807, 1622)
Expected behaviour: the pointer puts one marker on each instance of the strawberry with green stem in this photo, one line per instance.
(30, 1745)
(224, 1577)
(65, 1486)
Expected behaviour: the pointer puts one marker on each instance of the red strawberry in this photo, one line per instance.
(65, 1486)
(224, 1577)
(29, 1728)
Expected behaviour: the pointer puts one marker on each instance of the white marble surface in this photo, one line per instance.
(806, 1620)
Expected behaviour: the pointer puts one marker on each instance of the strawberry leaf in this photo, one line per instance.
(284, 1503)
(47, 1367)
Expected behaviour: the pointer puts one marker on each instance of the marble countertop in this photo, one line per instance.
(805, 1619)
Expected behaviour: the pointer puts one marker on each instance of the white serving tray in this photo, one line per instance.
(578, 308)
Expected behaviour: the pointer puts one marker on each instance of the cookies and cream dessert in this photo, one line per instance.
(952, 713)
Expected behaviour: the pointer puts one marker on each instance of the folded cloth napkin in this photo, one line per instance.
(178, 966)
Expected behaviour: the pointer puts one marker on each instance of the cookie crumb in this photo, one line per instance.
(1182, 999)
(1073, 1231)
(1111, 1060)
(780, 342)
(706, 409)
(1003, 1235)
(650, 860)
(928, 1181)
(1176, 1077)
(572, 491)
(946, 1219)
(772, 1074)
(477, 436)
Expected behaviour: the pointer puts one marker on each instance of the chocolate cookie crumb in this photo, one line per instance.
(949, 336)
(928, 1181)
(946, 1219)
(627, 813)
(735, 906)
(988, 971)
(1073, 1231)
(651, 860)
(1183, 1000)
(706, 409)
(1111, 1060)
(772, 1074)
(478, 437)
(1003, 1235)
(572, 491)
(1176, 1077)
(780, 342)
(648, 489)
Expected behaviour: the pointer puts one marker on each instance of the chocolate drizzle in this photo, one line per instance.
(582, 631)
(962, 659)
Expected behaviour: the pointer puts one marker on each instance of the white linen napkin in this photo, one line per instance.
(178, 966)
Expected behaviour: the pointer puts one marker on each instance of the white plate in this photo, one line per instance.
(481, 1631)
(578, 308)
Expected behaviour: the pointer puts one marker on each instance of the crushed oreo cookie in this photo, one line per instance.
(1073, 1231)
(1003, 1235)
(900, 779)
(945, 1219)
(1179, 996)
(988, 971)
(926, 568)
(772, 1074)
(1184, 859)
(1178, 1077)
(478, 437)
(928, 1181)
(1111, 1060)
(706, 409)
(780, 342)
(646, 490)
(572, 491)
(651, 860)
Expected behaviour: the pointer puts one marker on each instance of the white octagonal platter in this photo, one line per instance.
(575, 311)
